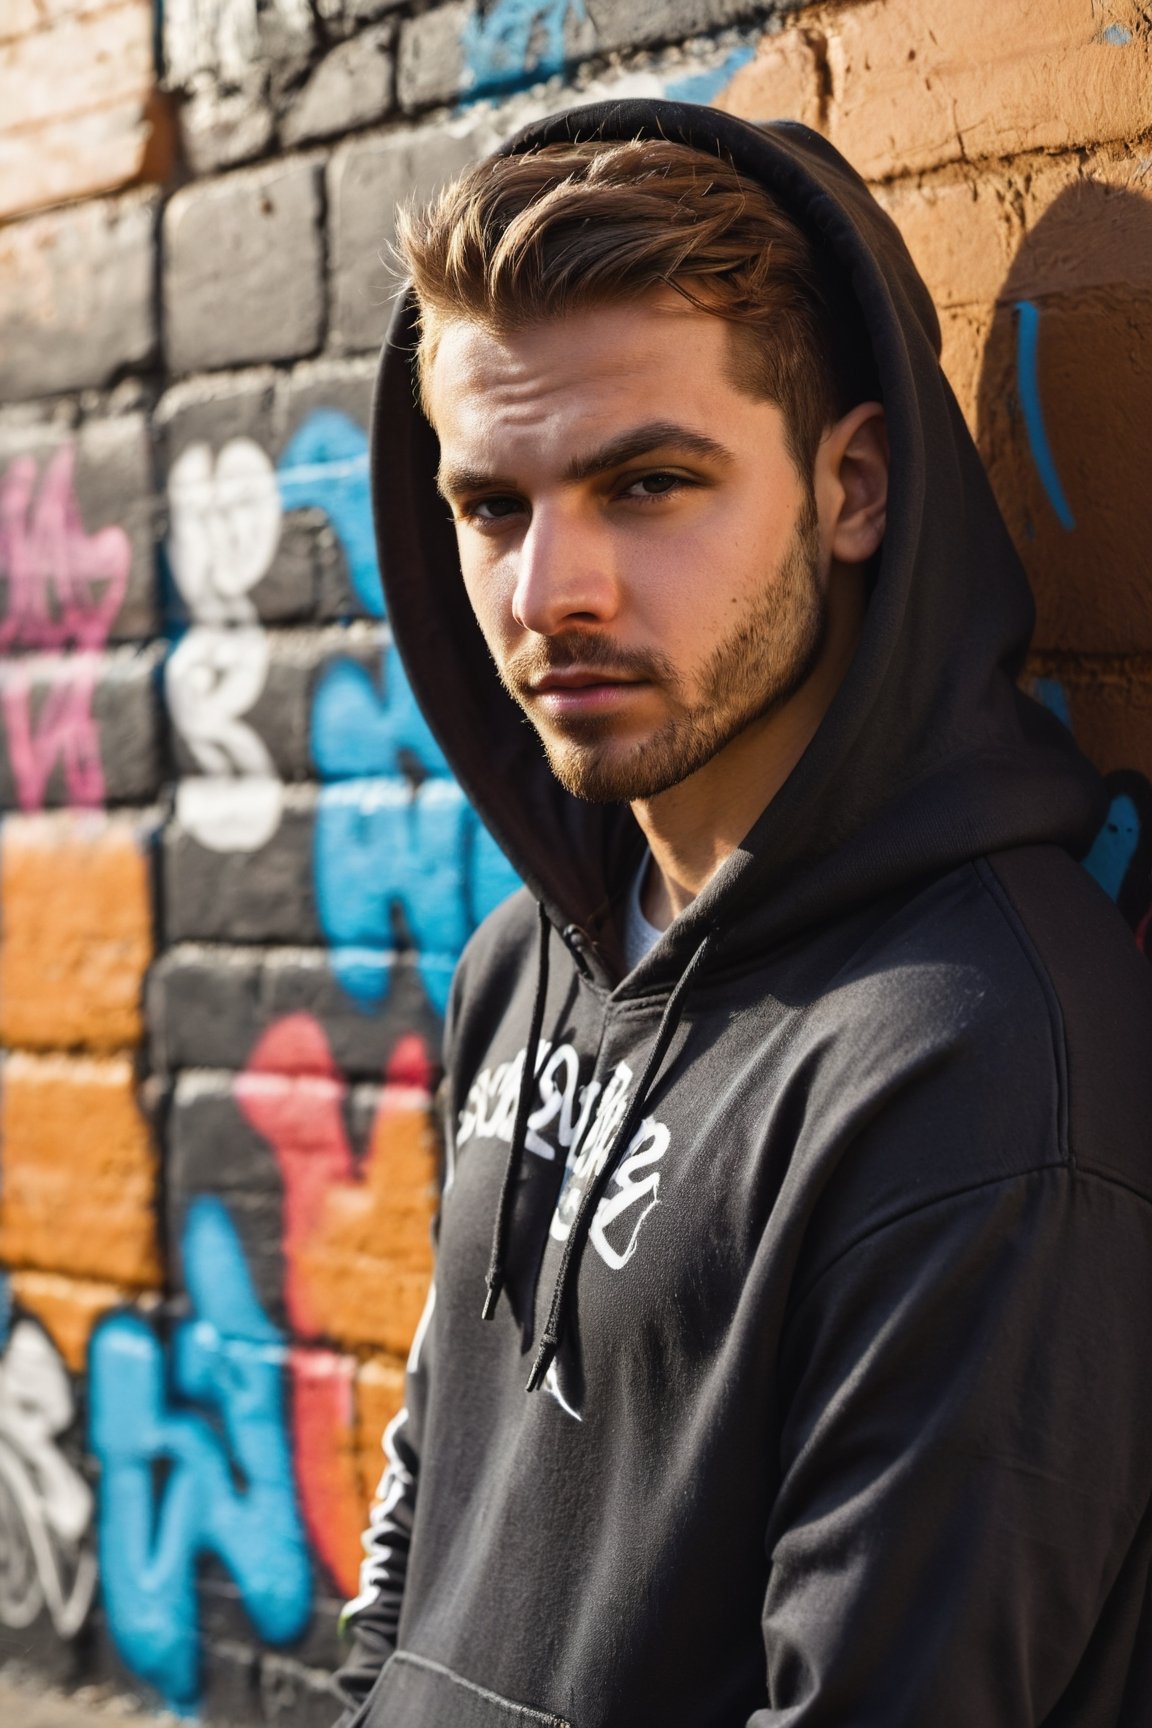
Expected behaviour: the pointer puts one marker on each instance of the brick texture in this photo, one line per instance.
(234, 873)
(79, 302)
(77, 935)
(232, 239)
(79, 1193)
(79, 109)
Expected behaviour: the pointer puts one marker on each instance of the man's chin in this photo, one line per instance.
(601, 775)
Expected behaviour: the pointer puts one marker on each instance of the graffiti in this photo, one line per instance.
(326, 464)
(706, 86)
(1028, 379)
(64, 588)
(202, 1467)
(400, 858)
(402, 867)
(1120, 857)
(323, 1430)
(511, 43)
(46, 1506)
(212, 679)
(348, 1246)
(225, 527)
(293, 1095)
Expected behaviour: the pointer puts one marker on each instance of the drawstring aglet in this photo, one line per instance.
(492, 1295)
(543, 1362)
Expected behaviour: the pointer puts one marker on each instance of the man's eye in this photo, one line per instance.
(493, 509)
(656, 485)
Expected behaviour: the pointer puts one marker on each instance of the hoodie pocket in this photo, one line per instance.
(414, 1692)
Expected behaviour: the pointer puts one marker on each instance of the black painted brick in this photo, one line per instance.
(243, 268)
(262, 896)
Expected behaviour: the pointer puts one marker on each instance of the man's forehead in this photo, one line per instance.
(579, 393)
(611, 349)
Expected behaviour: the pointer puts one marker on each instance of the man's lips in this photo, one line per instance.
(580, 678)
(583, 689)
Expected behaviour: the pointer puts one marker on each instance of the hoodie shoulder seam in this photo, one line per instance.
(950, 1198)
(1010, 913)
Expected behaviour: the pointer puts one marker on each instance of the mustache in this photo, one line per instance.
(571, 648)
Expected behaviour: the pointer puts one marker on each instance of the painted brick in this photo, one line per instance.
(1043, 77)
(963, 233)
(67, 1308)
(212, 410)
(222, 43)
(203, 1117)
(367, 1264)
(79, 729)
(79, 297)
(208, 1004)
(79, 1194)
(243, 277)
(1110, 702)
(430, 61)
(379, 1395)
(964, 335)
(351, 87)
(224, 128)
(261, 896)
(89, 519)
(326, 1462)
(345, 385)
(301, 576)
(77, 932)
(365, 184)
(638, 23)
(1094, 381)
(79, 112)
(281, 715)
(785, 81)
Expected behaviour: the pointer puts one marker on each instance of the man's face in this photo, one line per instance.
(642, 557)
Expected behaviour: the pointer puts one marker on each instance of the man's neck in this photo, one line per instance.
(693, 827)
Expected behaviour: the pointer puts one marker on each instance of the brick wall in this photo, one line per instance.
(234, 871)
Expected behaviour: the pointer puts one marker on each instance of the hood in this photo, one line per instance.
(928, 756)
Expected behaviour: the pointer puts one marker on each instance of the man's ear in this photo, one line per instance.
(851, 482)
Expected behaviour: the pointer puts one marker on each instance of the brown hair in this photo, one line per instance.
(519, 239)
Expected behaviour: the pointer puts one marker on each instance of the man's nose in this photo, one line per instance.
(565, 573)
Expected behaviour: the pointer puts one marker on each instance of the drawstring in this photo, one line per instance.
(495, 1279)
(566, 1276)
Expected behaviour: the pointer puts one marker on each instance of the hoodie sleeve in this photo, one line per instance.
(965, 1466)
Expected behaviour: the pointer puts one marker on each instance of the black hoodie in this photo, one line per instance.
(824, 1236)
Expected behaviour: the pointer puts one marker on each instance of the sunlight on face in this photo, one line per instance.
(642, 558)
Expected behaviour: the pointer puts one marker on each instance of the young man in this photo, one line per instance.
(790, 1355)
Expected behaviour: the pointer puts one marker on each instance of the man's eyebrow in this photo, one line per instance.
(454, 481)
(640, 441)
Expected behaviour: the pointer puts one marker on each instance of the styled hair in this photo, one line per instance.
(517, 240)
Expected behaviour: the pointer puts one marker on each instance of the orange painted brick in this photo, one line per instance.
(379, 1395)
(79, 1190)
(964, 337)
(79, 109)
(325, 1459)
(963, 233)
(1110, 703)
(913, 86)
(783, 82)
(1089, 560)
(77, 931)
(369, 1260)
(67, 1308)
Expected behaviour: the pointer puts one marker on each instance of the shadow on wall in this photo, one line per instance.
(1062, 425)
